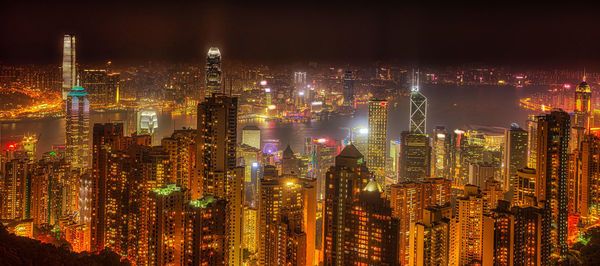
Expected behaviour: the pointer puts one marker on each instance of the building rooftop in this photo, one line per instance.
(166, 190)
(77, 92)
(203, 202)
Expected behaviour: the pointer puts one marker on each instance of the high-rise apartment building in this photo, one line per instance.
(371, 236)
(181, 147)
(205, 241)
(106, 138)
(515, 153)
(282, 240)
(430, 239)
(217, 174)
(532, 141)
(377, 144)
(524, 187)
(345, 180)
(552, 182)
(466, 241)
(77, 129)
(407, 202)
(216, 145)
(166, 239)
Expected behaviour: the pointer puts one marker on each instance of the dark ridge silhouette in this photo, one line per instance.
(18, 250)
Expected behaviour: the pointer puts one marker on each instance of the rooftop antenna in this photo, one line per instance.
(584, 77)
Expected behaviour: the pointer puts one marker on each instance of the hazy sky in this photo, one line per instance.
(434, 33)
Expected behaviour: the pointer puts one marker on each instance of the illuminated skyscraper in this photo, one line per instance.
(216, 144)
(345, 180)
(418, 108)
(250, 229)
(551, 185)
(360, 139)
(394, 163)
(492, 193)
(282, 240)
(78, 128)
(440, 153)
(581, 113)
(205, 232)
(524, 187)
(29, 146)
(371, 230)
(479, 173)
(430, 239)
(181, 147)
(310, 218)
(467, 228)
(532, 141)
(106, 137)
(301, 92)
(527, 235)
(69, 68)
(14, 183)
(377, 147)
(498, 231)
(167, 225)
(414, 156)
(515, 153)
(348, 91)
(512, 236)
(213, 72)
(216, 164)
(407, 205)
(146, 122)
(251, 136)
(584, 185)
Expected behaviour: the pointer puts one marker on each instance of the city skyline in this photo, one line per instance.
(389, 150)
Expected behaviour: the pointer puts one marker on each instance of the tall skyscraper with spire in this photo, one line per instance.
(77, 128)
(418, 108)
(69, 70)
(213, 72)
(581, 113)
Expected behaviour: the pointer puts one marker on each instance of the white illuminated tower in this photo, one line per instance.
(418, 108)
(69, 71)
(78, 128)
(213, 72)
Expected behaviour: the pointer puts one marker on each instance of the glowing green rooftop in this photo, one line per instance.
(166, 190)
(203, 202)
(77, 92)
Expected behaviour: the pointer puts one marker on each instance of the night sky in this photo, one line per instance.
(516, 34)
